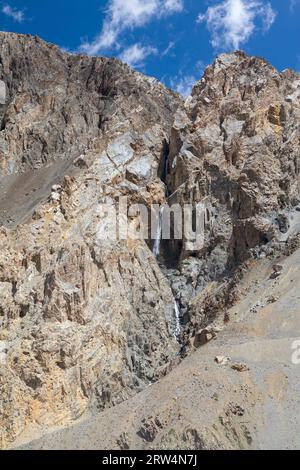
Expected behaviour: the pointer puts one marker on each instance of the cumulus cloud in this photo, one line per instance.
(128, 14)
(14, 13)
(172, 5)
(232, 22)
(135, 54)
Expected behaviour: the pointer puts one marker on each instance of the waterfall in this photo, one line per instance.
(177, 330)
(158, 236)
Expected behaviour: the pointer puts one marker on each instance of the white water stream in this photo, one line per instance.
(156, 252)
(177, 330)
(158, 237)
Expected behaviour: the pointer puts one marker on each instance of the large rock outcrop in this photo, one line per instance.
(240, 391)
(85, 321)
(88, 321)
(235, 148)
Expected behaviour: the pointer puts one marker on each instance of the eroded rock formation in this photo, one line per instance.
(235, 147)
(88, 322)
(85, 322)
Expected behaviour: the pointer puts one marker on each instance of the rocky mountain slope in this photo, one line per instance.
(87, 323)
(249, 400)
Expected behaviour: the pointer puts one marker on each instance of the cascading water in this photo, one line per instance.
(177, 330)
(156, 249)
(158, 237)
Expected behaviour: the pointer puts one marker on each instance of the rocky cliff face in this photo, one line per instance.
(236, 147)
(240, 391)
(87, 322)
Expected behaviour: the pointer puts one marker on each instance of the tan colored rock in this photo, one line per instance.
(222, 360)
(87, 321)
(77, 330)
(240, 367)
(235, 149)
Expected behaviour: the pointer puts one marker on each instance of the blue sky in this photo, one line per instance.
(172, 40)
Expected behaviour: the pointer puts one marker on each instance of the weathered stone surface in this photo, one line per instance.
(79, 329)
(235, 148)
(88, 321)
(2, 93)
(247, 403)
(58, 103)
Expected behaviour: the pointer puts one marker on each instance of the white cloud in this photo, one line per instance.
(173, 5)
(232, 22)
(128, 14)
(135, 54)
(183, 84)
(168, 49)
(14, 13)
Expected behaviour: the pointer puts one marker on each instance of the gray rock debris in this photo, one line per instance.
(2, 93)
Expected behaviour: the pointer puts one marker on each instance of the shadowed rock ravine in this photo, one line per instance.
(125, 343)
